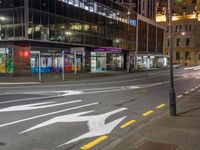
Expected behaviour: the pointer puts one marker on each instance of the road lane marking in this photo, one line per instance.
(28, 99)
(147, 113)
(187, 92)
(96, 124)
(19, 83)
(59, 94)
(92, 92)
(161, 106)
(192, 68)
(179, 96)
(47, 114)
(192, 90)
(94, 143)
(35, 106)
(130, 87)
(127, 124)
(82, 84)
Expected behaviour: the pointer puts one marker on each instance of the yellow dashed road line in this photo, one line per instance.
(127, 124)
(192, 90)
(187, 92)
(93, 143)
(179, 96)
(147, 113)
(161, 106)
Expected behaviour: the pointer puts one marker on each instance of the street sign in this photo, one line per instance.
(2, 50)
(35, 52)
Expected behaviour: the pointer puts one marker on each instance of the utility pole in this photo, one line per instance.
(172, 94)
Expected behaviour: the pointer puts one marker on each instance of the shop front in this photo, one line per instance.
(6, 61)
(151, 61)
(106, 58)
(51, 61)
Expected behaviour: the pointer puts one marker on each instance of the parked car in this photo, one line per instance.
(175, 66)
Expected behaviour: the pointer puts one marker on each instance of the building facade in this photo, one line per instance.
(132, 4)
(186, 32)
(179, 7)
(150, 44)
(145, 8)
(86, 35)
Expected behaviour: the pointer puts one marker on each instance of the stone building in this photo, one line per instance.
(186, 32)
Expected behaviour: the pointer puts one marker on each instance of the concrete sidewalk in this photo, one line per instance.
(57, 77)
(168, 133)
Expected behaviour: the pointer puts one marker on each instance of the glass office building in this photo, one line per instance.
(100, 31)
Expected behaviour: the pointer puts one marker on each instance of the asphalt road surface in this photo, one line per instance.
(84, 114)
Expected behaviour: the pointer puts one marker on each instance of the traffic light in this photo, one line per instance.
(24, 53)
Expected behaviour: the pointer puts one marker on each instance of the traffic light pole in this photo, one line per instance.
(172, 94)
(75, 63)
(40, 77)
(63, 65)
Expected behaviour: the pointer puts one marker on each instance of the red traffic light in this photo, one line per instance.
(24, 53)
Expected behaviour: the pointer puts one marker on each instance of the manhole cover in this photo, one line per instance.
(151, 145)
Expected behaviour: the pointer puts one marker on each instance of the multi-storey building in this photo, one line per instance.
(87, 35)
(148, 54)
(132, 4)
(180, 7)
(146, 8)
(186, 31)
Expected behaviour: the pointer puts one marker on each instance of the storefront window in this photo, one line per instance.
(86, 29)
(6, 60)
(2, 60)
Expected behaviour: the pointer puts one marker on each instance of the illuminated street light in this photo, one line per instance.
(183, 33)
(68, 33)
(117, 40)
(2, 18)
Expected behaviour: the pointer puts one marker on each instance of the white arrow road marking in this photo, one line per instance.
(36, 106)
(96, 123)
(48, 114)
(59, 94)
(67, 93)
(113, 89)
(29, 99)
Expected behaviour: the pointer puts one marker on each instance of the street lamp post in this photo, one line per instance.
(172, 95)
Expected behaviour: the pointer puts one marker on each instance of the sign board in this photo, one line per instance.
(132, 22)
(108, 49)
(35, 52)
(2, 50)
(79, 50)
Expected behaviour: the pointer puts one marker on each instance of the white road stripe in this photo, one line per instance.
(47, 114)
(19, 83)
(28, 99)
(121, 88)
(59, 94)
(37, 106)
